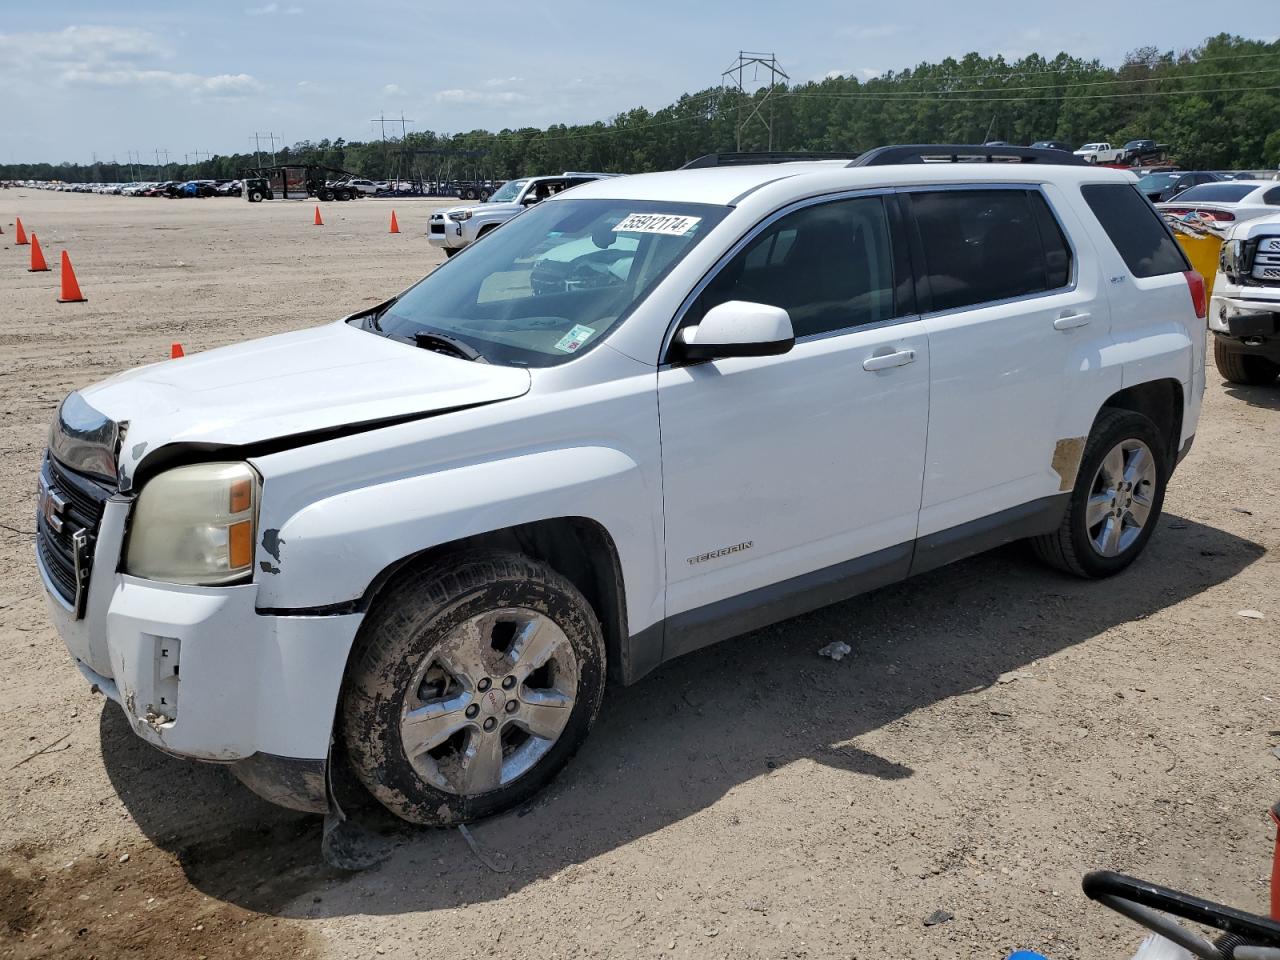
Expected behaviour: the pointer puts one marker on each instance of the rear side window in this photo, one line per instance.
(1139, 235)
(987, 245)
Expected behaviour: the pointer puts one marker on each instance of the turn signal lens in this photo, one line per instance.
(195, 525)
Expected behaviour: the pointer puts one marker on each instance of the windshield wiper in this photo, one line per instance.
(441, 343)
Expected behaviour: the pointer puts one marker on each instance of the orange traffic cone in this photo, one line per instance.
(70, 289)
(21, 234)
(319, 222)
(175, 351)
(395, 227)
(37, 258)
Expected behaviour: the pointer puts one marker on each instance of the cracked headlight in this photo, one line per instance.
(196, 525)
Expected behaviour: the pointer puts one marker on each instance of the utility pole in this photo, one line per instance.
(736, 73)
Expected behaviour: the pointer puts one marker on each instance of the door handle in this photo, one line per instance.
(1070, 321)
(883, 361)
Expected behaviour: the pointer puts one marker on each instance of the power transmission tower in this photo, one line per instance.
(736, 75)
(381, 121)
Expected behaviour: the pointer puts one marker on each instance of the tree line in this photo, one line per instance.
(1216, 106)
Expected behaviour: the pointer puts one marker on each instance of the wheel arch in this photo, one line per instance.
(578, 548)
(1160, 401)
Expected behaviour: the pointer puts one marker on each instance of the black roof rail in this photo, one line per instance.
(773, 156)
(963, 153)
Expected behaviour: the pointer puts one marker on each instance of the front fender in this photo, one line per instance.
(330, 551)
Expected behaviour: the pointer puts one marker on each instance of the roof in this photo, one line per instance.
(727, 185)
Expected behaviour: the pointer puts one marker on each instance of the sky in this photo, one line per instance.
(116, 79)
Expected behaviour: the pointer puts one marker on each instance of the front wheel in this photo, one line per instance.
(1238, 367)
(1116, 501)
(255, 197)
(450, 251)
(476, 681)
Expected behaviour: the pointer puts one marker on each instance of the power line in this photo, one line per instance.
(1094, 66)
(1090, 83)
(942, 97)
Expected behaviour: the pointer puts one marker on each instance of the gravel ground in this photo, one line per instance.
(998, 730)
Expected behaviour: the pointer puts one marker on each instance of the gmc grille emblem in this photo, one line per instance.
(51, 506)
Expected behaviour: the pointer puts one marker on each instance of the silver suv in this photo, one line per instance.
(459, 227)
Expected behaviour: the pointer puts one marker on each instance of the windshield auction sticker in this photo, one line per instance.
(575, 338)
(668, 224)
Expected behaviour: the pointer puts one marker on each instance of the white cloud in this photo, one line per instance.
(503, 82)
(833, 75)
(391, 89)
(269, 9)
(111, 57)
(86, 45)
(869, 73)
(487, 98)
(219, 85)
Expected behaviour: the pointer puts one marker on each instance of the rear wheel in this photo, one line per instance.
(1118, 495)
(1241, 367)
(476, 681)
(255, 197)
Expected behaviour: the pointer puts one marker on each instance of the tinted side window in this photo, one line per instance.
(1057, 255)
(979, 246)
(1139, 235)
(830, 266)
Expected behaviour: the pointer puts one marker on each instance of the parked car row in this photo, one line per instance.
(160, 188)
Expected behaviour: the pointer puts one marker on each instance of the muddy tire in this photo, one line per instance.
(1116, 501)
(473, 683)
(1244, 368)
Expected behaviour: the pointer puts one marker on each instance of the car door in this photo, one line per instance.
(791, 481)
(1015, 319)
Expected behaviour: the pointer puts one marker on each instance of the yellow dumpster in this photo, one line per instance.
(1202, 251)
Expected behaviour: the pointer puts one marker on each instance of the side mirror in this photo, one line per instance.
(529, 199)
(737, 329)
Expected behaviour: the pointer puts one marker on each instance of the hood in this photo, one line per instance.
(1257, 227)
(481, 209)
(295, 383)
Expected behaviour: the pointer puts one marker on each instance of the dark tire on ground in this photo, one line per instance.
(412, 626)
(1071, 547)
(484, 195)
(1241, 367)
(450, 251)
(255, 197)
(326, 194)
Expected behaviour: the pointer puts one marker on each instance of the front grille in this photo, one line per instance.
(437, 227)
(68, 515)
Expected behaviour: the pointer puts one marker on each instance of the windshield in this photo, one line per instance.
(1157, 182)
(1218, 192)
(508, 191)
(553, 281)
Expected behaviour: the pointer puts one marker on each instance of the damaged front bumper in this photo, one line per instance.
(201, 674)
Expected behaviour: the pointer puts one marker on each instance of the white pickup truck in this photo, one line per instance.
(1101, 153)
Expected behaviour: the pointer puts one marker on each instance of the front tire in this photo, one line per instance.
(450, 251)
(1116, 501)
(475, 681)
(1247, 368)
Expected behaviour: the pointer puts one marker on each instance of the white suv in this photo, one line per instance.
(643, 417)
(458, 227)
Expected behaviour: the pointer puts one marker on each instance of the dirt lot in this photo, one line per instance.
(998, 730)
